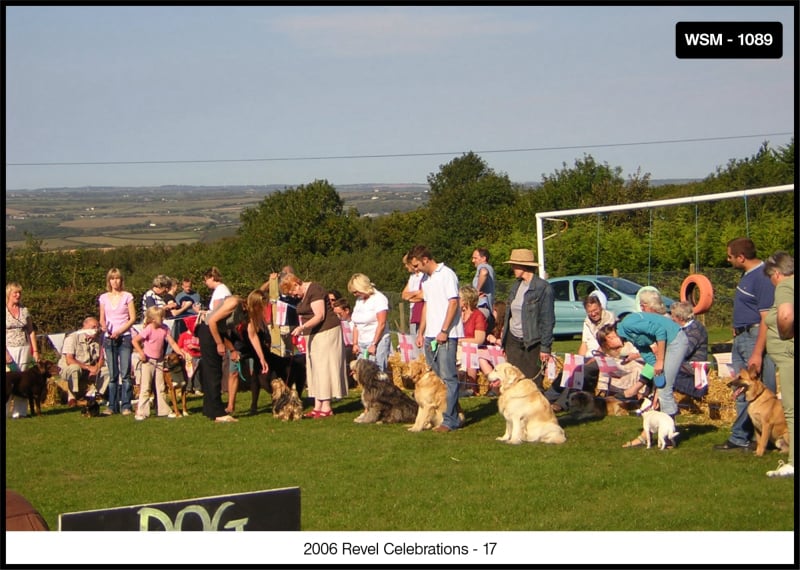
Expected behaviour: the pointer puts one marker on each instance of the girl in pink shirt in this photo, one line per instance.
(150, 346)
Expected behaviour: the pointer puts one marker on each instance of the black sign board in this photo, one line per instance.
(275, 509)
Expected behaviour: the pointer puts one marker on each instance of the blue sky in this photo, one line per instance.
(310, 87)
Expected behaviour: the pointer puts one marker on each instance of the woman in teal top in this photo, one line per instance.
(661, 342)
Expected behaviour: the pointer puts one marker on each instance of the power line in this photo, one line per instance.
(397, 155)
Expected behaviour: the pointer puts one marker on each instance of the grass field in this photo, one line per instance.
(460, 481)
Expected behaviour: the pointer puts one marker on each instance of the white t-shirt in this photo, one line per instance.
(437, 290)
(414, 284)
(365, 316)
(221, 291)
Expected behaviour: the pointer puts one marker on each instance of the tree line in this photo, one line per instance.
(470, 205)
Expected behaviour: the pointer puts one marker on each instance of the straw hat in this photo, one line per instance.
(522, 257)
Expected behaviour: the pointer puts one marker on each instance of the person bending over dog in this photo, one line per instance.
(234, 318)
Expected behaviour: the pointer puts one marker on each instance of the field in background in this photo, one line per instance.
(73, 218)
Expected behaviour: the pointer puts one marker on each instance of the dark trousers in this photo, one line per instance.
(211, 373)
(526, 359)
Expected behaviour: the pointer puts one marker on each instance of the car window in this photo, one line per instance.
(610, 293)
(582, 288)
(621, 285)
(561, 290)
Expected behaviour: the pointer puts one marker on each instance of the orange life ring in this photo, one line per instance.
(698, 292)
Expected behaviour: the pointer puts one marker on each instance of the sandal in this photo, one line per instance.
(327, 414)
(225, 419)
(638, 442)
(311, 414)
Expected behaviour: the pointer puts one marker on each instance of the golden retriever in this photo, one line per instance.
(430, 393)
(528, 414)
(764, 409)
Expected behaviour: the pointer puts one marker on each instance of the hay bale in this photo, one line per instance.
(56, 393)
(717, 406)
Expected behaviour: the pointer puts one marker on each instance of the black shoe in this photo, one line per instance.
(729, 445)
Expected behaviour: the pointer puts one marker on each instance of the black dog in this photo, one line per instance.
(291, 369)
(92, 407)
(30, 384)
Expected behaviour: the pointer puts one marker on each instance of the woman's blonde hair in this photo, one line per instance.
(256, 301)
(360, 283)
(469, 295)
(154, 313)
(10, 288)
(114, 272)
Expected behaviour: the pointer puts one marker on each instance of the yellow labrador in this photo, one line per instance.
(528, 414)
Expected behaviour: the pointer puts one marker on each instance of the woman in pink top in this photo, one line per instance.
(117, 315)
(150, 345)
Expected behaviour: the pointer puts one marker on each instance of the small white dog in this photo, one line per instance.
(660, 422)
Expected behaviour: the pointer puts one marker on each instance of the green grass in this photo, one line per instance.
(382, 477)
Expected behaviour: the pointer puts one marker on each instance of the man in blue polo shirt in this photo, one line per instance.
(754, 296)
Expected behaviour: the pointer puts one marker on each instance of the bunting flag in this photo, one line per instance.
(610, 366)
(552, 370)
(347, 332)
(57, 340)
(496, 354)
(469, 355)
(700, 374)
(281, 312)
(572, 373)
(407, 346)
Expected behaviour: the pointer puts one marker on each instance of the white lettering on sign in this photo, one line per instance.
(146, 513)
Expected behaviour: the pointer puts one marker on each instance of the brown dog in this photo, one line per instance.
(528, 414)
(30, 384)
(430, 393)
(175, 377)
(764, 409)
(583, 405)
(286, 403)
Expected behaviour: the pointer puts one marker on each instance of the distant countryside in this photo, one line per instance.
(75, 218)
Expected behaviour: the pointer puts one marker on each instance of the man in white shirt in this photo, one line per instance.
(440, 327)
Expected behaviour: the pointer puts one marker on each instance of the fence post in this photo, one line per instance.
(401, 306)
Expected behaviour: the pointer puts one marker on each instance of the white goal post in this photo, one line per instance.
(541, 216)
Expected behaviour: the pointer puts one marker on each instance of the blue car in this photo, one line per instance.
(570, 291)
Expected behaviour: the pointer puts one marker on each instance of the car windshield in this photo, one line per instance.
(621, 285)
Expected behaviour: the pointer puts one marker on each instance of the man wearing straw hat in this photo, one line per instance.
(530, 317)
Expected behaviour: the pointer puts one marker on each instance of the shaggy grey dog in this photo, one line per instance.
(383, 401)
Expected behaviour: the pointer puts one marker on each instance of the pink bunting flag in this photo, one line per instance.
(610, 366)
(281, 310)
(572, 373)
(700, 374)
(469, 354)
(408, 347)
(496, 354)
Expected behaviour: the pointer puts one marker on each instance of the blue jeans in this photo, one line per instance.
(673, 358)
(118, 356)
(443, 363)
(743, 344)
(381, 357)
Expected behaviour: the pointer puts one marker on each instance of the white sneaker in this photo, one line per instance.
(172, 415)
(783, 470)
(139, 418)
